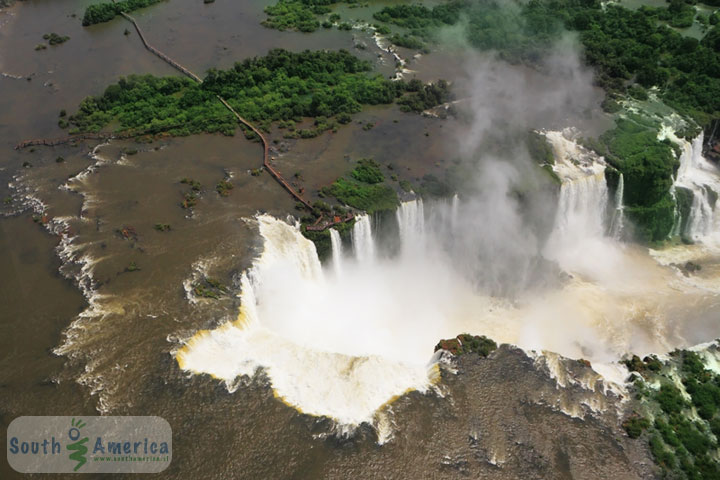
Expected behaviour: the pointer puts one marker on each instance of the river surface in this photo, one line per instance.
(95, 302)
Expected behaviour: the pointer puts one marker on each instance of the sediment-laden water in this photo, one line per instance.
(301, 369)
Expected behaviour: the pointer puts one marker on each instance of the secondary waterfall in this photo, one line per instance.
(362, 239)
(701, 178)
(337, 250)
(618, 218)
(411, 224)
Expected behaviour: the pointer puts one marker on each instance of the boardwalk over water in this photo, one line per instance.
(187, 72)
(266, 146)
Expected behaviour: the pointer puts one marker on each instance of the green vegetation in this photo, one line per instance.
(190, 198)
(104, 12)
(648, 166)
(40, 46)
(539, 148)
(209, 288)
(55, 39)
(684, 448)
(678, 14)
(622, 44)
(365, 190)
(635, 425)
(302, 15)
(371, 198)
(367, 171)
(408, 41)
(650, 362)
(132, 267)
(194, 184)
(422, 97)
(321, 239)
(466, 343)
(296, 14)
(281, 86)
(162, 227)
(224, 187)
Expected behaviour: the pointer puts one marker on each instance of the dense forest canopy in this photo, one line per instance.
(625, 46)
(104, 12)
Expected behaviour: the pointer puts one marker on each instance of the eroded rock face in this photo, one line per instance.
(506, 417)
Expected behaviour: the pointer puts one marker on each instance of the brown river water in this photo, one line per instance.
(498, 418)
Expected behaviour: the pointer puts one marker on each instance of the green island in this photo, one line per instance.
(55, 39)
(281, 86)
(106, 11)
(298, 15)
(365, 189)
(677, 413)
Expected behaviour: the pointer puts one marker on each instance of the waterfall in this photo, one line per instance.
(582, 207)
(618, 218)
(454, 212)
(336, 243)
(362, 239)
(701, 178)
(581, 210)
(579, 242)
(411, 224)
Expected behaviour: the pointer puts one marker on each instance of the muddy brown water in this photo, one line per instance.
(118, 356)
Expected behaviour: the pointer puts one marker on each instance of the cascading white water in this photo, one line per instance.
(702, 178)
(578, 242)
(582, 207)
(344, 346)
(411, 224)
(362, 239)
(618, 218)
(337, 251)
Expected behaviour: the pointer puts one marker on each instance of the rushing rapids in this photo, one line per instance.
(699, 177)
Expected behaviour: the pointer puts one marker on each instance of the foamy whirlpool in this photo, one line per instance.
(319, 371)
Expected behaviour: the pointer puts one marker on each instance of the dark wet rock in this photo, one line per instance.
(689, 268)
(502, 418)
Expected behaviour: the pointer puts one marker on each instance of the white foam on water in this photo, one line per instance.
(345, 347)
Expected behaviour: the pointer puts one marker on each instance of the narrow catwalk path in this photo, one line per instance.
(266, 146)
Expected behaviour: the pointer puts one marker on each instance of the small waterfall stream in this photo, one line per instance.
(618, 218)
(337, 251)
